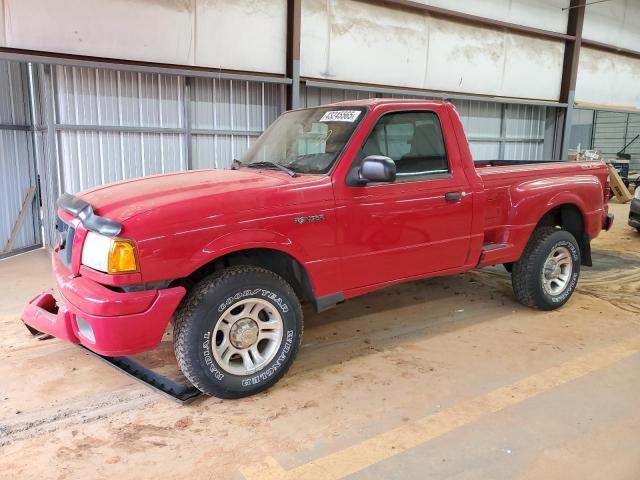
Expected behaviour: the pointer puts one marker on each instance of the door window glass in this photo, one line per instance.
(414, 141)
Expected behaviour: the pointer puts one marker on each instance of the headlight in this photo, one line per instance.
(109, 255)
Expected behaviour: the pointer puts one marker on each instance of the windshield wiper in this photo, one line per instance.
(268, 164)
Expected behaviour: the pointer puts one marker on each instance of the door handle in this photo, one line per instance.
(453, 196)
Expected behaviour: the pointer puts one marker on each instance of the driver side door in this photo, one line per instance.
(410, 227)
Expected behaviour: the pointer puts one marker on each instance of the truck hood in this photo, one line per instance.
(194, 191)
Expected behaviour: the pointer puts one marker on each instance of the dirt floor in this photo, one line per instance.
(441, 378)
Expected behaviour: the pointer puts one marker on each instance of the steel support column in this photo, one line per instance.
(570, 69)
(293, 53)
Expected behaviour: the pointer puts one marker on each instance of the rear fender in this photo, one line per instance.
(532, 200)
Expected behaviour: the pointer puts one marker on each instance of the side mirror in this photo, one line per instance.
(376, 168)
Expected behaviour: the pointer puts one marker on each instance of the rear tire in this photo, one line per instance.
(238, 332)
(547, 273)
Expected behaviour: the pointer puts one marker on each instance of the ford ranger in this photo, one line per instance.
(329, 203)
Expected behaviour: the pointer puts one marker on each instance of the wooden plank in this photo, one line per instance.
(617, 185)
(16, 226)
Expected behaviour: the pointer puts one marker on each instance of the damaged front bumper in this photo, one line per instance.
(105, 321)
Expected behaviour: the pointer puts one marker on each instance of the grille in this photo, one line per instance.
(66, 233)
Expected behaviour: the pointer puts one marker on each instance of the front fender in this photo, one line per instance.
(245, 240)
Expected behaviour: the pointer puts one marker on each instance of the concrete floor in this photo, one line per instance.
(442, 378)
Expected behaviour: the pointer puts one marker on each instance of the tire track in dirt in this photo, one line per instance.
(614, 278)
(80, 411)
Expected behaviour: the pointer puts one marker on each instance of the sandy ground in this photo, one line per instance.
(441, 378)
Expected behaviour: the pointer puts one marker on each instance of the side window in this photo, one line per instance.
(413, 140)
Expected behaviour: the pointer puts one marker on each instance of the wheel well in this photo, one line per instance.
(276, 261)
(569, 218)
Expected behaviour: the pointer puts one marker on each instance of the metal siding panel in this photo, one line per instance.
(525, 121)
(232, 106)
(223, 114)
(203, 104)
(634, 148)
(16, 159)
(117, 99)
(484, 150)
(480, 119)
(203, 151)
(13, 107)
(609, 132)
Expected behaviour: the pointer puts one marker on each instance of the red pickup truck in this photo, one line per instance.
(329, 203)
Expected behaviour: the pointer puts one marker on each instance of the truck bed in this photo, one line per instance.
(511, 185)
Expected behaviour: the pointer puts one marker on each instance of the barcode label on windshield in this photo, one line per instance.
(340, 116)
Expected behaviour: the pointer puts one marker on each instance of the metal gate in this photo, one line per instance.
(19, 196)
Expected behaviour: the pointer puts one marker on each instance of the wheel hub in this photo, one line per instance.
(552, 269)
(247, 336)
(244, 333)
(557, 270)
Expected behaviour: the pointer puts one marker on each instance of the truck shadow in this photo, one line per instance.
(381, 320)
(400, 315)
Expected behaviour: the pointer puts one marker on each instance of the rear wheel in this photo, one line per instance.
(546, 275)
(238, 332)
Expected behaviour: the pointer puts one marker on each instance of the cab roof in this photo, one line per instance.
(374, 102)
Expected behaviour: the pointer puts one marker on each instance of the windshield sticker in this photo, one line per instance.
(340, 116)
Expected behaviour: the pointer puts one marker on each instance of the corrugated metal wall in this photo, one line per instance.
(102, 125)
(17, 166)
(496, 131)
(613, 130)
(581, 129)
(114, 125)
(228, 115)
(523, 131)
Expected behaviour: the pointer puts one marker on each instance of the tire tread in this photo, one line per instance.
(524, 275)
(182, 325)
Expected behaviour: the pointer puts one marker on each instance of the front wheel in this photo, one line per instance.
(547, 273)
(238, 332)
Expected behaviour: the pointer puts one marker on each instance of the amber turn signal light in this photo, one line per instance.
(122, 257)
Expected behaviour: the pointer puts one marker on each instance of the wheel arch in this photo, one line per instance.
(276, 260)
(569, 217)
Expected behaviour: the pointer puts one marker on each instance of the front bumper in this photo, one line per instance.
(107, 322)
(634, 213)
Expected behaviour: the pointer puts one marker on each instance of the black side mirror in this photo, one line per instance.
(374, 168)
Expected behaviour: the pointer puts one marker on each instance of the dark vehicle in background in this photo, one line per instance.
(634, 212)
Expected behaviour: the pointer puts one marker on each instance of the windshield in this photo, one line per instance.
(306, 141)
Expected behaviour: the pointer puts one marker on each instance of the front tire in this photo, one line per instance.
(546, 275)
(238, 332)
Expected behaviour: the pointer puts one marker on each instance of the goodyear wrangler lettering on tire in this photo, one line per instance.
(207, 357)
(573, 280)
(248, 293)
(232, 341)
(271, 370)
(547, 274)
